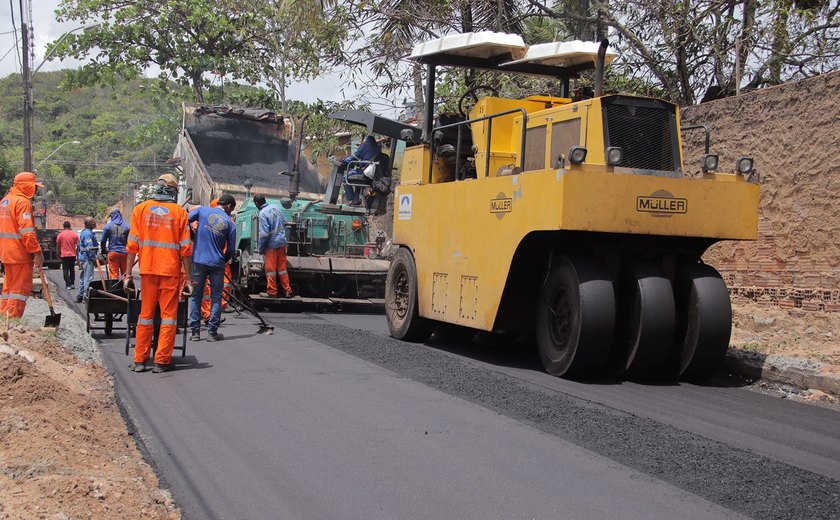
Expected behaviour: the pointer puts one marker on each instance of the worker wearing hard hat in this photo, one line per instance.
(160, 235)
(20, 252)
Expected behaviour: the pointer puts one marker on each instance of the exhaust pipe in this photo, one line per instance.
(294, 185)
(599, 67)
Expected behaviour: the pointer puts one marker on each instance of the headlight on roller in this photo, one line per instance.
(744, 166)
(577, 154)
(613, 155)
(710, 162)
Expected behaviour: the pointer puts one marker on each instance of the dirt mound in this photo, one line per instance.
(64, 447)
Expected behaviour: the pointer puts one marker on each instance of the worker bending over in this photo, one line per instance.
(215, 240)
(160, 235)
(19, 249)
(114, 238)
(272, 244)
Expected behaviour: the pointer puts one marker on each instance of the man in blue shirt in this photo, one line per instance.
(367, 151)
(114, 238)
(88, 249)
(272, 245)
(215, 240)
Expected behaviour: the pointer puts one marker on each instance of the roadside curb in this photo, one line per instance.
(780, 369)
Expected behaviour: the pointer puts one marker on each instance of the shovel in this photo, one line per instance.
(54, 318)
(264, 328)
(101, 275)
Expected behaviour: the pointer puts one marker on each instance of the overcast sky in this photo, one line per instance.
(47, 29)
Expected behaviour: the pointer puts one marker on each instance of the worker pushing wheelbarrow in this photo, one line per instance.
(160, 237)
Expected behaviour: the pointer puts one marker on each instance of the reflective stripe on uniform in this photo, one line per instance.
(168, 322)
(14, 296)
(143, 321)
(184, 242)
(27, 230)
(10, 235)
(281, 273)
(271, 273)
(162, 245)
(133, 238)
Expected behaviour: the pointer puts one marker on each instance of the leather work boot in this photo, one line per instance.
(215, 337)
(160, 367)
(138, 367)
(195, 337)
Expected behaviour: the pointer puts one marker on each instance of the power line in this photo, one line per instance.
(14, 30)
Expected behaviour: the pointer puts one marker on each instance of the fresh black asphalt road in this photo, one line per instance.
(329, 418)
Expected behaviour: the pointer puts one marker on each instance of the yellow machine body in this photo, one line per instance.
(467, 236)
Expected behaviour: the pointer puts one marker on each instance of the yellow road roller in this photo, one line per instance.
(567, 217)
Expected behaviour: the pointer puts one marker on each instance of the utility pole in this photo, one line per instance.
(27, 97)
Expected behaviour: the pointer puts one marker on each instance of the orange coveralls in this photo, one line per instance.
(117, 263)
(159, 234)
(17, 245)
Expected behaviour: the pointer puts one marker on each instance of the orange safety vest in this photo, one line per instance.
(160, 231)
(17, 229)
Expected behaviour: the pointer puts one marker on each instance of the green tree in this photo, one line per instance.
(185, 39)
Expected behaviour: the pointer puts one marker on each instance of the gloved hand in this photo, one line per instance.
(188, 289)
(127, 285)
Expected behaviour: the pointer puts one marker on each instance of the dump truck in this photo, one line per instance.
(566, 217)
(332, 255)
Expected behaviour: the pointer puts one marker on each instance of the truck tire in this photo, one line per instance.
(401, 306)
(704, 321)
(576, 318)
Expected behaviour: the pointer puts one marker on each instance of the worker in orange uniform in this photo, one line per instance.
(160, 235)
(20, 252)
(272, 244)
(113, 242)
(227, 287)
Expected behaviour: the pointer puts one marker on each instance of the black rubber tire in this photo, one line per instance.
(704, 321)
(452, 333)
(401, 306)
(576, 318)
(109, 324)
(644, 321)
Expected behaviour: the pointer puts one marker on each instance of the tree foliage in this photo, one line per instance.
(184, 39)
(126, 132)
(681, 50)
(194, 41)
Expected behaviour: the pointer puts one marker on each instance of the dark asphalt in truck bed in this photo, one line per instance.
(236, 149)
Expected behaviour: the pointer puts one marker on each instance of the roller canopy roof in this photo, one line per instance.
(508, 53)
(376, 124)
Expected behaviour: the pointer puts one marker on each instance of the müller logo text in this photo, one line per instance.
(662, 203)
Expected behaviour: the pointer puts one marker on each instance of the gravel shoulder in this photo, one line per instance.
(65, 449)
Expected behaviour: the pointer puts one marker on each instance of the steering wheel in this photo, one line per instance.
(463, 109)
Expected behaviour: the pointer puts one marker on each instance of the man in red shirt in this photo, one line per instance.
(67, 242)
